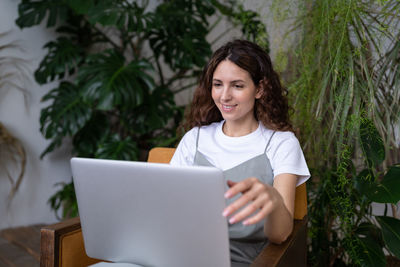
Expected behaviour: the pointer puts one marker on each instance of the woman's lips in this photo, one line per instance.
(227, 108)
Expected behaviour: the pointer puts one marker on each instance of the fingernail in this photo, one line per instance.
(232, 220)
(246, 222)
(227, 195)
(225, 213)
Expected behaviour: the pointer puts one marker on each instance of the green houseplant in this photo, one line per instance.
(344, 229)
(343, 82)
(120, 64)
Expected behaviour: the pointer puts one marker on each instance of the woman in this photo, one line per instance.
(239, 122)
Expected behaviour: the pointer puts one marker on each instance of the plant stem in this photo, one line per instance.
(160, 72)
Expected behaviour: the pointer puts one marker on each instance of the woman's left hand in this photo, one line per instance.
(255, 196)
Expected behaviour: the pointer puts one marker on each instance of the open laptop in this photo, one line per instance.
(151, 214)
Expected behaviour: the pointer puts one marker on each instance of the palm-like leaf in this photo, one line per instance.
(155, 112)
(189, 47)
(123, 14)
(86, 140)
(107, 81)
(65, 116)
(113, 147)
(62, 58)
(33, 12)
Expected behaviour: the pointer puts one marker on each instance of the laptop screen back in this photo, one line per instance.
(151, 214)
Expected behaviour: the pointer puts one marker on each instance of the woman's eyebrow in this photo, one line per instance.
(234, 81)
(237, 81)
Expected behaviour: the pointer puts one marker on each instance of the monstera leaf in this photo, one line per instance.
(33, 12)
(108, 82)
(180, 19)
(65, 116)
(86, 140)
(62, 58)
(114, 147)
(123, 14)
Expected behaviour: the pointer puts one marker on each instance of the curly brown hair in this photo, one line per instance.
(272, 109)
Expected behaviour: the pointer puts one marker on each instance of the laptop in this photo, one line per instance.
(151, 214)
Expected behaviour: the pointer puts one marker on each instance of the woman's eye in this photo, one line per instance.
(239, 86)
(216, 84)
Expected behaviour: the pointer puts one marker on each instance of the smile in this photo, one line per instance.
(228, 107)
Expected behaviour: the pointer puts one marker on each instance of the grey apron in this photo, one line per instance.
(246, 242)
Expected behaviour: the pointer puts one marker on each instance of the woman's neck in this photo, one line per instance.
(239, 129)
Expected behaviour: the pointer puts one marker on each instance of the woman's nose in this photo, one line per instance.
(226, 94)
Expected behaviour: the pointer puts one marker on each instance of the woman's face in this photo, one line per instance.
(234, 93)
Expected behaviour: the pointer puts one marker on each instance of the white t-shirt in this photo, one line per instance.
(225, 152)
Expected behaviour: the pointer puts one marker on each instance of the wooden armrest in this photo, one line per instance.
(292, 252)
(61, 245)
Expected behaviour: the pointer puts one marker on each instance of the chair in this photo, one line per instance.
(61, 244)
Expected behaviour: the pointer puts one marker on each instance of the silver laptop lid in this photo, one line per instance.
(152, 214)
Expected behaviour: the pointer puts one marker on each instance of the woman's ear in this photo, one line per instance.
(259, 89)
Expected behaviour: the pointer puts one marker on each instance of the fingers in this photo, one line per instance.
(240, 202)
(260, 203)
(266, 209)
(252, 191)
(255, 197)
(241, 187)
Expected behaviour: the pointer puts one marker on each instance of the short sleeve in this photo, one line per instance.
(184, 154)
(287, 156)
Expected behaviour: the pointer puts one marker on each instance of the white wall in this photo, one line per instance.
(29, 205)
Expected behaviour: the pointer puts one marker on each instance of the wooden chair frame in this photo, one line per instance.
(61, 244)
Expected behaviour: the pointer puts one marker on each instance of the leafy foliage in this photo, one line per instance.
(63, 57)
(347, 68)
(342, 224)
(115, 99)
(345, 89)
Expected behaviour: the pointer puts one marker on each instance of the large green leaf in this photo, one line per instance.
(371, 254)
(391, 233)
(33, 12)
(154, 113)
(122, 14)
(62, 58)
(65, 116)
(371, 142)
(114, 147)
(186, 23)
(80, 7)
(370, 230)
(66, 199)
(391, 181)
(86, 140)
(108, 82)
(386, 191)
